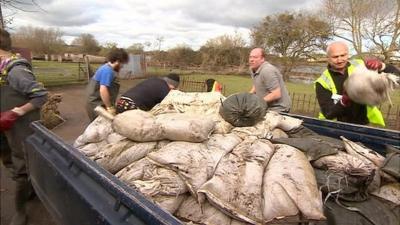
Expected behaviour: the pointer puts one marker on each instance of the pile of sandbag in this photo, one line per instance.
(261, 174)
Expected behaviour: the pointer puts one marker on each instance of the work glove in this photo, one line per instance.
(7, 119)
(345, 101)
(374, 64)
(111, 110)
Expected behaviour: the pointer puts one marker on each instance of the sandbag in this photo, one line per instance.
(342, 186)
(169, 203)
(137, 125)
(114, 138)
(278, 133)
(301, 131)
(390, 192)
(91, 149)
(243, 109)
(135, 170)
(288, 123)
(114, 157)
(96, 131)
(199, 103)
(235, 187)
(391, 165)
(194, 162)
(313, 146)
(191, 210)
(368, 87)
(160, 181)
(185, 127)
(362, 152)
(373, 211)
(290, 187)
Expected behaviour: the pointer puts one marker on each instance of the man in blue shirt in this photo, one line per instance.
(103, 88)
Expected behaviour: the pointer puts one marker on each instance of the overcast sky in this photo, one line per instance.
(126, 22)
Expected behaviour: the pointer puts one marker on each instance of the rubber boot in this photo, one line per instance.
(21, 198)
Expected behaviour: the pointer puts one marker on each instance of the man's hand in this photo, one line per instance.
(374, 64)
(111, 110)
(7, 119)
(345, 101)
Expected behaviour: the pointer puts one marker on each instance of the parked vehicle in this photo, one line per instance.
(75, 190)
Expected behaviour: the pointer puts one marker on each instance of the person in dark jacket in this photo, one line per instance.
(333, 101)
(103, 88)
(148, 93)
(21, 99)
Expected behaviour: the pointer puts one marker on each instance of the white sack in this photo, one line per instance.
(137, 125)
(235, 187)
(114, 157)
(96, 131)
(185, 127)
(290, 186)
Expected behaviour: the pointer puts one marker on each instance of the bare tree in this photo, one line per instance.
(15, 6)
(364, 22)
(39, 40)
(383, 28)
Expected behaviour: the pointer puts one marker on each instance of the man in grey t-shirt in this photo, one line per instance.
(268, 82)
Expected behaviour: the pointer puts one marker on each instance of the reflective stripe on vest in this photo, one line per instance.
(217, 87)
(373, 114)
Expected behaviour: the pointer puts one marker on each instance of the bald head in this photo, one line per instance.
(338, 55)
(256, 58)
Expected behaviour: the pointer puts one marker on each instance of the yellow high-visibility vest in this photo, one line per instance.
(374, 115)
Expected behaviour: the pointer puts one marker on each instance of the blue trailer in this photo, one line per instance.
(75, 190)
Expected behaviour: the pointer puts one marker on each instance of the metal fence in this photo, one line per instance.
(306, 104)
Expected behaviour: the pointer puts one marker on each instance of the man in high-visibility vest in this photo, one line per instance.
(333, 101)
(213, 85)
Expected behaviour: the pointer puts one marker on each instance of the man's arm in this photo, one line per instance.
(326, 104)
(273, 95)
(105, 96)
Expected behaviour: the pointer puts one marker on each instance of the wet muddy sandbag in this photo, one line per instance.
(313, 146)
(169, 203)
(96, 131)
(288, 123)
(390, 192)
(260, 130)
(363, 152)
(191, 210)
(205, 103)
(91, 149)
(194, 162)
(290, 187)
(135, 170)
(301, 131)
(278, 133)
(114, 157)
(137, 125)
(224, 142)
(158, 180)
(373, 211)
(185, 127)
(243, 109)
(235, 187)
(391, 165)
(342, 186)
(114, 138)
